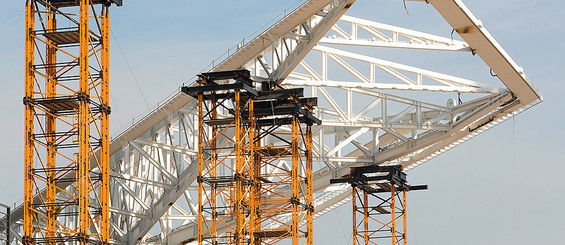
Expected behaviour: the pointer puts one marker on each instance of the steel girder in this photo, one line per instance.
(152, 172)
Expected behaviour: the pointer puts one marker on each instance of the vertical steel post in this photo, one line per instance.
(51, 126)
(252, 222)
(8, 222)
(354, 204)
(105, 129)
(29, 126)
(239, 162)
(200, 169)
(214, 170)
(309, 187)
(393, 214)
(366, 217)
(404, 218)
(295, 200)
(84, 126)
(256, 208)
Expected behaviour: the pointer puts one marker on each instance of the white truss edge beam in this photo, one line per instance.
(304, 47)
(265, 40)
(387, 86)
(417, 40)
(388, 64)
(474, 33)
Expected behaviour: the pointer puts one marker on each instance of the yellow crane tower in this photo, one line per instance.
(67, 121)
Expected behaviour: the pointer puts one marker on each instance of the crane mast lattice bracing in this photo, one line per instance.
(67, 122)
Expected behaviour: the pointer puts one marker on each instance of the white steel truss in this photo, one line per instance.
(360, 32)
(369, 114)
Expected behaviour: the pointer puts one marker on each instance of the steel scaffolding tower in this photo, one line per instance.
(244, 182)
(283, 165)
(67, 122)
(379, 204)
(224, 164)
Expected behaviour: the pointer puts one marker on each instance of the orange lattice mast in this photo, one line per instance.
(67, 122)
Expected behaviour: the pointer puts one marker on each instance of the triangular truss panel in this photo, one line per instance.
(374, 110)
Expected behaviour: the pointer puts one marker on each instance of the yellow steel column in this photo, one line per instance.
(366, 217)
(84, 126)
(295, 200)
(404, 218)
(392, 214)
(251, 163)
(29, 213)
(354, 204)
(214, 169)
(200, 168)
(309, 188)
(50, 127)
(105, 129)
(257, 185)
(239, 162)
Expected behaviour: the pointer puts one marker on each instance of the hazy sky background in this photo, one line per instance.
(503, 187)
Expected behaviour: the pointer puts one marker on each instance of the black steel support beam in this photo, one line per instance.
(371, 179)
(239, 75)
(71, 3)
(194, 91)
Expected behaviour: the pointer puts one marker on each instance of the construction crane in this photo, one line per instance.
(404, 130)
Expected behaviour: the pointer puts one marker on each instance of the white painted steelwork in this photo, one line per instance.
(152, 166)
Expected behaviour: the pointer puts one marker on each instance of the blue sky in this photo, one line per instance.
(503, 187)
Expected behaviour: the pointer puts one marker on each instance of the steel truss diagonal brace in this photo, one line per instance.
(373, 34)
(259, 46)
(158, 209)
(314, 36)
